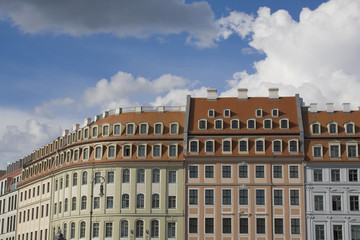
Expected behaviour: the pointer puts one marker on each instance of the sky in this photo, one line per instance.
(64, 61)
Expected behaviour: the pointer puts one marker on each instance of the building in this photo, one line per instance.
(332, 172)
(244, 172)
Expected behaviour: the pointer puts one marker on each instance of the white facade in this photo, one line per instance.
(332, 201)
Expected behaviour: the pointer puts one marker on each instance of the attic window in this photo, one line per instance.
(211, 113)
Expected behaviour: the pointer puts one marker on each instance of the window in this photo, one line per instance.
(227, 112)
(335, 150)
(349, 128)
(258, 112)
(279, 226)
(260, 171)
(158, 128)
(353, 175)
(105, 130)
(336, 203)
(226, 171)
(319, 232)
(317, 175)
(174, 128)
(251, 124)
(156, 150)
(85, 153)
(173, 150)
(209, 171)
(243, 146)
(110, 177)
(97, 177)
(211, 113)
(83, 202)
(193, 196)
(209, 225)
(354, 203)
(76, 155)
(244, 225)
(260, 225)
(219, 124)
(65, 206)
(277, 171)
(275, 112)
(209, 196)
(155, 175)
(284, 123)
(337, 231)
(140, 175)
(117, 129)
(96, 202)
(155, 201)
(260, 197)
(124, 228)
(332, 128)
(295, 226)
(294, 197)
(259, 146)
(319, 202)
(202, 124)
(267, 124)
(74, 179)
(72, 230)
(172, 176)
(111, 152)
(226, 222)
(209, 146)
(335, 175)
(109, 202)
(193, 171)
(171, 228)
(226, 197)
(234, 124)
(317, 151)
(73, 204)
(193, 225)
(94, 132)
(355, 232)
(125, 201)
(143, 128)
(278, 197)
(139, 229)
(293, 146)
(352, 151)
(171, 202)
(294, 171)
(194, 146)
(141, 150)
(226, 146)
(140, 200)
(126, 175)
(86, 133)
(130, 129)
(315, 128)
(108, 230)
(243, 171)
(243, 197)
(154, 228)
(277, 146)
(98, 152)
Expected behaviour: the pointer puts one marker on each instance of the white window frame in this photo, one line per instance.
(313, 151)
(213, 146)
(145, 150)
(345, 127)
(123, 147)
(247, 145)
(281, 146)
(101, 149)
(227, 115)
(197, 146)
(177, 128)
(121, 127)
(152, 150)
(287, 123)
(271, 123)
(147, 128)
(272, 113)
(176, 150)
(115, 149)
(311, 127)
(261, 114)
(222, 146)
(334, 143)
(92, 131)
(108, 130)
(222, 124)
(352, 143)
(231, 121)
(337, 127)
(209, 110)
(161, 128)
(264, 147)
(202, 119)
(247, 123)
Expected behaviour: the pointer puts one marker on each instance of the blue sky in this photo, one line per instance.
(61, 62)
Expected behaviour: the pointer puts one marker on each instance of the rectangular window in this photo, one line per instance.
(110, 177)
(244, 225)
(279, 226)
(226, 171)
(209, 225)
(259, 171)
(336, 203)
(109, 202)
(209, 196)
(108, 230)
(96, 202)
(319, 203)
(172, 202)
(193, 171)
(351, 150)
(295, 226)
(171, 228)
(209, 171)
(96, 228)
(317, 175)
(277, 171)
(354, 203)
(317, 151)
(294, 171)
(278, 197)
(193, 196)
(260, 225)
(226, 225)
(334, 151)
(243, 197)
(294, 197)
(319, 232)
(335, 175)
(353, 175)
(355, 232)
(243, 171)
(193, 225)
(260, 197)
(226, 196)
(337, 232)
(172, 176)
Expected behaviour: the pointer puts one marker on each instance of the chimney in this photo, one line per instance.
(346, 108)
(96, 118)
(242, 94)
(138, 109)
(330, 108)
(118, 111)
(211, 94)
(313, 107)
(87, 122)
(65, 132)
(105, 114)
(76, 126)
(161, 109)
(273, 93)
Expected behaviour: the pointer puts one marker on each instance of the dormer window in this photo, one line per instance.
(226, 146)
(315, 128)
(243, 145)
(349, 128)
(332, 128)
(95, 132)
(174, 128)
(258, 112)
(111, 151)
(202, 124)
(352, 149)
(211, 113)
(105, 130)
(173, 152)
(158, 128)
(293, 146)
(260, 146)
(219, 124)
(117, 129)
(86, 134)
(144, 128)
(209, 146)
(235, 124)
(227, 112)
(127, 150)
(267, 124)
(277, 146)
(275, 112)
(98, 152)
(317, 150)
(194, 146)
(334, 149)
(130, 128)
(251, 124)
(156, 150)
(141, 150)
(284, 123)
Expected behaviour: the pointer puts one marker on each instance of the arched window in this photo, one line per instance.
(82, 229)
(293, 146)
(74, 179)
(83, 202)
(154, 228)
(251, 124)
(65, 230)
(267, 124)
(125, 201)
(124, 228)
(72, 230)
(155, 201)
(226, 146)
(202, 124)
(66, 204)
(140, 201)
(73, 204)
(139, 229)
(209, 146)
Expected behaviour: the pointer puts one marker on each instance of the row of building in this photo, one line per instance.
(218, 168)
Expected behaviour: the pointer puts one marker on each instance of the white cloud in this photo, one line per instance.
(141, 18)
(177, 97)
(317, 57)
(47, 108)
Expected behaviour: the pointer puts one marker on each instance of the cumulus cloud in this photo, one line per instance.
(141, 18)
(317, 56)
(47, 108)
